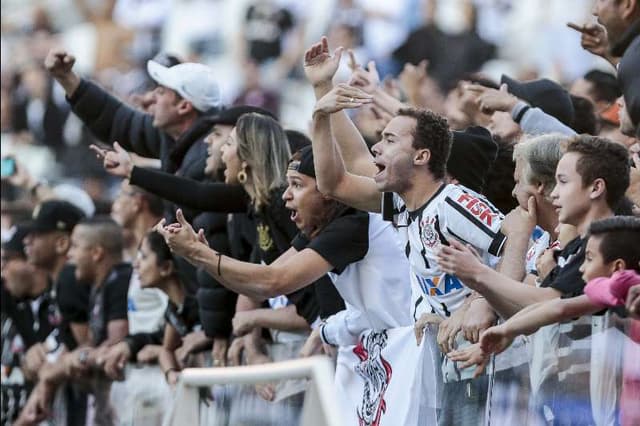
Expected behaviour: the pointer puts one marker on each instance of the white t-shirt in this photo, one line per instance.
(453, 212)
(145, 307)
(374, 285)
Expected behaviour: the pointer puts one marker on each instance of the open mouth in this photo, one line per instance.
(294, 215)
(380, 167)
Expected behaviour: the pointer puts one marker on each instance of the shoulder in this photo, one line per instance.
(470, 205)
(120, 276)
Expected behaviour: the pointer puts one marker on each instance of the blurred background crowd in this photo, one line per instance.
(255, 49)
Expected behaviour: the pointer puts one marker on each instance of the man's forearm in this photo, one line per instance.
(69, 83)
(355, 153)
(506, 295)
(327, 159)
(541, 314)
(387, 102)
(513, 262)
(237, 276)
(286, 319)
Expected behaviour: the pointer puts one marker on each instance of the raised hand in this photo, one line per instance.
(593, 38)
(180, 236)
(413, 77)
(492, 100)
(342, 97)
(367, 80)
(117, 162)
(59, 63)
(495, 339)
(319, 65)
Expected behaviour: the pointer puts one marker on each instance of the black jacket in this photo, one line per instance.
(111, 120)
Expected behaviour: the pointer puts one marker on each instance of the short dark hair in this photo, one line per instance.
(585, 119)
(105, 232)
(297, 140)
(619, 239)
(155, 203)
(605, 85)
(602, 159)
(158, 245)
(431, 132)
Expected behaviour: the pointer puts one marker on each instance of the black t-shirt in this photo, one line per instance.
(34, 319)
(108, 302)
(184, 317)
(343, 241)
(566, 276)
(265, 25)
(72, 298)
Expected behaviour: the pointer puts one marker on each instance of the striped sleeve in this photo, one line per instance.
(472, 219)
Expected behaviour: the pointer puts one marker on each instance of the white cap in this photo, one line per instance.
(76, 196)
(194, 82)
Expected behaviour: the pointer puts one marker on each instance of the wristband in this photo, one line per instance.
(219, 262)
(521, 114)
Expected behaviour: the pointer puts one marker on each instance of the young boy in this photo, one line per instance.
(612, 251)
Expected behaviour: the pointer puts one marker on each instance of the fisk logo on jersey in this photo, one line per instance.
(439, 286)
(477, 208)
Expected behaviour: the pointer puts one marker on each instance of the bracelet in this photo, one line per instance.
(521, 114)
(166, 373)
(219, 262)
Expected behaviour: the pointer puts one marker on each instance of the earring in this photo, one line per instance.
(242, 176)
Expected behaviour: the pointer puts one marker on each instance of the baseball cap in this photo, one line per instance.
(54, 215)
(545, 94)
(302, 162)
(194, 82)
(473, 152)
(230, 116)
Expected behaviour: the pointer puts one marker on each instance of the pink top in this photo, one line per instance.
(612, 291)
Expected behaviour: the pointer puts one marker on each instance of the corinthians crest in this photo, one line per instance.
(264, 239)
(428, 234)
(376, 372)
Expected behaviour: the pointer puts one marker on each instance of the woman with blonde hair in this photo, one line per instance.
(256, 155)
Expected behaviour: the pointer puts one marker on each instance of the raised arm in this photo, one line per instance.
(506, 295)
(107, 117)
(320, 67)
(332, 177)
(295, 271)
(531, 319)
(204, 196)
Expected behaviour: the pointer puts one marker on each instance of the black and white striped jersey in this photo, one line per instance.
(453, 212)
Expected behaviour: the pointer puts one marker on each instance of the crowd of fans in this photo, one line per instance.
(464, 245)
